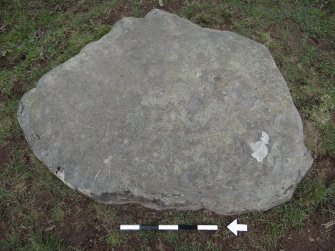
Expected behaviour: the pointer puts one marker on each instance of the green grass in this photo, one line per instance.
(35, 242)
(330, 199)
(171, 237)
(187, 246)
(315, 21)
(38, 243)
(11, 243)
(57, 214)
(206, 14)
(37, 35)
(136, 8)
(6, 195)
(116, 239)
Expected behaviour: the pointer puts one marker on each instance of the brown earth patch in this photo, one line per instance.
(317, 235)
(82, 228)
(3, 97)
(3, 221)
(17, 89)
(170, 5)
(296, 36)
(123, 8)
(10, 60)
(120, 10)
(5, 152)
(327, 167)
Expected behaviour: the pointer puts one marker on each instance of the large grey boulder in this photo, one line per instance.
(167, 114)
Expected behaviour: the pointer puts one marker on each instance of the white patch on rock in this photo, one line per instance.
(61, 175)
(85, 191)
(108, 164)
(260, 150)
(108, 161)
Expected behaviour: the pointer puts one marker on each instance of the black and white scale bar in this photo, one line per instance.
(170, 227)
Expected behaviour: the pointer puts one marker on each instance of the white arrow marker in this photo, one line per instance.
(234, 227)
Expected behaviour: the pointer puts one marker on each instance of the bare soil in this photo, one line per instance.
(315, 236)
(5, 152)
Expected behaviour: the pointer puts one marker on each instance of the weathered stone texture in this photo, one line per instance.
(169, 115)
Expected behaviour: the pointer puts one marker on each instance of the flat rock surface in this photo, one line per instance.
(167, 114)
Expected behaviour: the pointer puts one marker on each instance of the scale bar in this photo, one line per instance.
(207, 227)
(167, 227)
(170, 227)
(129, 227)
